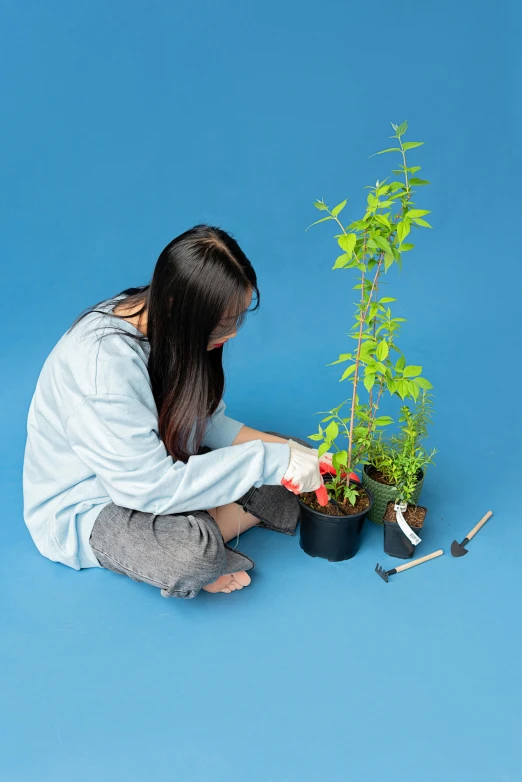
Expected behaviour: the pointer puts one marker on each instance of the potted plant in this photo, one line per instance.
(380, 475)
(333, 531)
(406, 462)
(370, 245)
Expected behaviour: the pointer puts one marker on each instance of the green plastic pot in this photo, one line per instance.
(383, 494)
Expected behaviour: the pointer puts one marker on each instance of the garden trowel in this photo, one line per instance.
(457, 549)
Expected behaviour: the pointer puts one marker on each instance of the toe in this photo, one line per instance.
(242, 578)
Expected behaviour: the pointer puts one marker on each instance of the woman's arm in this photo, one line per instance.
(246, 433)
(222, 430)
(117, 437)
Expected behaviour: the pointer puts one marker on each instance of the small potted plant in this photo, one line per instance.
(382, 470)
(370, 245)
(333, 531)
(406, 465)
(381, 475)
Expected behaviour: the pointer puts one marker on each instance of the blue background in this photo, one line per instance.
(125, 123)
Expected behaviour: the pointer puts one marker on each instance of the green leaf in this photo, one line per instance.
(322, 449)
(412, 371)
(359, 225)
(343, 357)
(403, 127)
(417, 213)
(383, 220)
(402, 387)
(386, 299)
(414, 389)
(423, 383)
(412, 145)
(406, 247)
(419, 221)
(342, 458)
(383, 420)
(382, 350)
(367, 348)
(416, 181)
(332, 430)
(388, 260)
(390, 149)
(320, 205)
(342, 260)
(401, 363)
(369, 380)
(382, 243)
(339, 208)
(347, 372)
(347, 242)
(319, 221)
(315, 436)
(403, 230)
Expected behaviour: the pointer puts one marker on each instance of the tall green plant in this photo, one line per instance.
(372, 245)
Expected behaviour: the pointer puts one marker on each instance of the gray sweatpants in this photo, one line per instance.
(181, 553)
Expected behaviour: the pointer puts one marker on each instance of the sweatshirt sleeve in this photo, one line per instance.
(221, 430)
(116, 436)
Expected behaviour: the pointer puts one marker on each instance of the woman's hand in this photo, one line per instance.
(304, 471)
(326, 468)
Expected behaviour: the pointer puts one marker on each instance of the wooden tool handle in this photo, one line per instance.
(419, 561)
(479, 525)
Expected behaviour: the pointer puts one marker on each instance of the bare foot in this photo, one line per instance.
(229, 583)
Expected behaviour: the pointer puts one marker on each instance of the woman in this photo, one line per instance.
(131, 463)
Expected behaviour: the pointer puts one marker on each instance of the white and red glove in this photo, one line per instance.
(305, 470)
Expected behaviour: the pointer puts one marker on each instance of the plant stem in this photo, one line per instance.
(357, 361)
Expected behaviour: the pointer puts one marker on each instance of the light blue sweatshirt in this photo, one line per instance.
(92, 438)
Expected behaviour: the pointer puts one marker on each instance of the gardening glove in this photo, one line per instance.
(304, 471)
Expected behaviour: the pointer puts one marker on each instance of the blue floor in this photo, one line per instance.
(126, 123)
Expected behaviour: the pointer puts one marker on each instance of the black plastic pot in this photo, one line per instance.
(334, 538)
(396, 544)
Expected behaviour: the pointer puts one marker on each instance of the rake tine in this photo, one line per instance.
(385, 574)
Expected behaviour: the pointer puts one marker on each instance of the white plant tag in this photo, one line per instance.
(403, 524)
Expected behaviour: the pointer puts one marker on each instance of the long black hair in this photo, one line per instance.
(196, 295)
